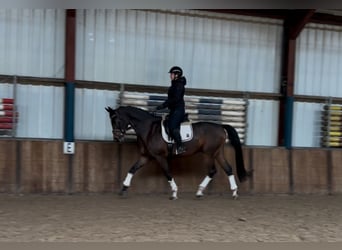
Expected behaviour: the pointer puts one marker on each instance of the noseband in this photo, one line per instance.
(119, 132)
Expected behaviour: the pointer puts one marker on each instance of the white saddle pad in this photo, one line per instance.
(185, 132)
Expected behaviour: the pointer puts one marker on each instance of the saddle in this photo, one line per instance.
(185, 129)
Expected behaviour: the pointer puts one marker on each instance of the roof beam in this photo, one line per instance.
(317, 17)
(296, 20)
(268, 13)
(324, 18)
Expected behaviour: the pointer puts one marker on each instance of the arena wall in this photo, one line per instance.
(29, 166)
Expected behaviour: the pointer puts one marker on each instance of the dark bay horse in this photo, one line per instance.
(208, 138)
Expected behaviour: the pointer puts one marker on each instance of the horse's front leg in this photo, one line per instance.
(165, 166)
(127, 182)
(174, 189)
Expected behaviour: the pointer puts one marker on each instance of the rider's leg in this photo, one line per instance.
(175, 119)
(179, 144)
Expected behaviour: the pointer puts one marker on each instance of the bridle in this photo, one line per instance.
(119, 132)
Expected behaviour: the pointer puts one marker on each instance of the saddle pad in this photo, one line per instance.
(185, 132)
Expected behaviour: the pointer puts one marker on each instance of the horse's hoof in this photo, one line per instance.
(199, 196)
(123, 193)
(235, 197)
(172, 198)
(235, 194)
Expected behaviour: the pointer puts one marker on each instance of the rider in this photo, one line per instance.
(175, 103)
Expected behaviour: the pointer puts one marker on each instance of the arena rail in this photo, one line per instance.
(221, 110)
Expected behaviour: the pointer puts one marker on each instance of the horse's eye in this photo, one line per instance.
(118, 123)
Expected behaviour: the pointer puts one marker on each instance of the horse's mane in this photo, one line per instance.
(143, 114)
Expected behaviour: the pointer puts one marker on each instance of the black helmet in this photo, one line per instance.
(176, 70)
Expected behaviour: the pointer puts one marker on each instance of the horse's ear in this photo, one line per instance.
(109, 109)
(112, 112)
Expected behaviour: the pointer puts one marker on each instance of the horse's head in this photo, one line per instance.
(120, 123)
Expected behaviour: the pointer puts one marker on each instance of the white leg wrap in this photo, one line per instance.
(232, 182)
(127, 181)
(173, 185)
(203, 185)
(174, 189)
(205, 182)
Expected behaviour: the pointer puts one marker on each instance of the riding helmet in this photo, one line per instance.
(176, 70)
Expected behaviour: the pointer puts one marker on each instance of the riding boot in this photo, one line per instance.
(179, 144)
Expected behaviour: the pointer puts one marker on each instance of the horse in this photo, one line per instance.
(208, 138)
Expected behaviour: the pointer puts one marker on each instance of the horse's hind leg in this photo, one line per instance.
(229, 171)
(206, 181)
(131, 172)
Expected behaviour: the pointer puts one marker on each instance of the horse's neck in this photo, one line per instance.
(140, 123)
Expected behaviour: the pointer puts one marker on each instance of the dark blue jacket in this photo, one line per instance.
(175, 95)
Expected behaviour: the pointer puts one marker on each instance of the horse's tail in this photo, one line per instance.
(234, 140)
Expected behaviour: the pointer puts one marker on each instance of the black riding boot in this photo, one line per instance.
(179, 144)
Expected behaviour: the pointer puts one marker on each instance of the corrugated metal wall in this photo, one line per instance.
(263, 119)
(136, 46)
(32, 42)
(91, 118)
(306, 124)
(216, 51)
(6, 90)
(319, 61)
(41, 109)
(318, 73)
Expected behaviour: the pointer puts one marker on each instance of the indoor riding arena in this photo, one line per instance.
(273, 75)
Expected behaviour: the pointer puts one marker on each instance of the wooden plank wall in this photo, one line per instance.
(336, 171)
(271, 171)
(41, 167)
(310, 171)
(8, 163)
(95, 167)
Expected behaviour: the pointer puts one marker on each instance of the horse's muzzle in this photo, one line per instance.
(118, 135)
(120, 139)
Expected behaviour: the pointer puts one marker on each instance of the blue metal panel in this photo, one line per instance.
(69, 112)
